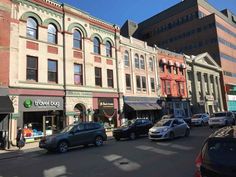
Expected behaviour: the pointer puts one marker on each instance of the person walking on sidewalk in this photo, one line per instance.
(20, 140)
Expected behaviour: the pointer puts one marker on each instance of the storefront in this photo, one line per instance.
(40, 116)
(6, 109)
(176, 106)
(106, 110)
(142, 107)
(231, 102)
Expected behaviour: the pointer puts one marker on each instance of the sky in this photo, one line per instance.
(118, 11)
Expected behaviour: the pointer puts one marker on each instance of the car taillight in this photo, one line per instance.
(198, 163)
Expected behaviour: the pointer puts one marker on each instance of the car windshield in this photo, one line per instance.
(164, 122)
(221, 114)
(67, 129)
(221, 152)
(197, 116)
(127, 123)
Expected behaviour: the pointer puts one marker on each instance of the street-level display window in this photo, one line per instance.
(52, 71)
(32, 68)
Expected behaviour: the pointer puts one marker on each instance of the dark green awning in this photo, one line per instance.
(6, 105)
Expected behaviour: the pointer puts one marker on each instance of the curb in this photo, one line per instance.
(18, 153)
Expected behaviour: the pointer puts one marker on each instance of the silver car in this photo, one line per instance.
(200, 119)
(221, 119)
(169, 129)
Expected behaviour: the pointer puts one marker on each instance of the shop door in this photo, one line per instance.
(48, 125)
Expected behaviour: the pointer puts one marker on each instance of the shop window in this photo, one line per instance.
(78, 74)
(136, 60)
(152, 81)
(126, 58)
(32, 68)
(110, 78)
(142, 63)
(32, 28)
(52, 71)
(151, 64)
(108, 49)
(52, 34)
(98, 76)
(77, 39)
(138, 83)
(128, 81)
(144, 86)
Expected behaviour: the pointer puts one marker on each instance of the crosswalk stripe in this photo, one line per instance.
(156, 150)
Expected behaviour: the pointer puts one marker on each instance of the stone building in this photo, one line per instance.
(203, 83)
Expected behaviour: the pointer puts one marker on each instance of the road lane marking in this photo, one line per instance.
(122, 163)
(176, 146)
(156, 150)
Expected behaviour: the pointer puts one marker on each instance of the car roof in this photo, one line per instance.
(225, 132)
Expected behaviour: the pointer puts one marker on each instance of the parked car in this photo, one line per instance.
(75, 135)
(132, 129)
(217, 157)
(221, 119)
(169, 129)
(171, 116)
(200, 119)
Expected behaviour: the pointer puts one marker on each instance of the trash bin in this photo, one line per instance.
(3, 139)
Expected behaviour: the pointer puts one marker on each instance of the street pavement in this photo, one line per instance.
(138, 158)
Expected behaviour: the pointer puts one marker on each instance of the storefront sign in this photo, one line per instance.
(232, 97)
(79, 94)
(105, 103)
(209, 97)
(41, 103)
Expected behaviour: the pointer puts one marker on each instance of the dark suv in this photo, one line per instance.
(75, 135)
(132, 129)
(218, 155)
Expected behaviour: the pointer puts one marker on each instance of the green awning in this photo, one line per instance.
(144, 106)
(6, 105)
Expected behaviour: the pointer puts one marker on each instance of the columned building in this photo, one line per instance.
(203, 83)
(139, 79)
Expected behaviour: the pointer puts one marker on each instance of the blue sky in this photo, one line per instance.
(118, 11)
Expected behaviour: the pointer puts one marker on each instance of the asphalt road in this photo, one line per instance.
(138, 158)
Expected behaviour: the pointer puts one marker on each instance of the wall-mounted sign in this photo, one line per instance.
(105, 103)
(40, 103)
(232, 97)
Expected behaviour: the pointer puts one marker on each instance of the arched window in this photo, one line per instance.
(32, 28)
(108, 49)
(126, 58)
(77, 39)
(96, 46)
(136, 61)
(151, 64)
(52, 34)
(142, 63)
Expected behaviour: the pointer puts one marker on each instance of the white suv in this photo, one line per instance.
(221, 119)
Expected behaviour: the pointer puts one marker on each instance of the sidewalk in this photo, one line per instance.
(14, 152)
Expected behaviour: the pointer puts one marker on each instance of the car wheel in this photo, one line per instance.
(187, 133)
(62, 147)
(117, 138)
(98, 141)
(132, 136)
(171, 135)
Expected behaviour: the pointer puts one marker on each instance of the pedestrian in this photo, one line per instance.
(20, 141)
